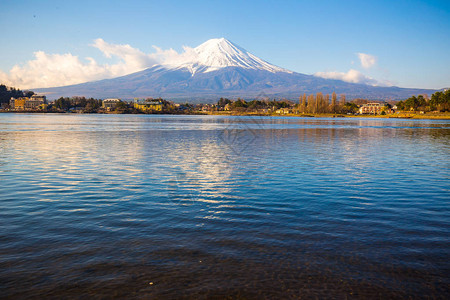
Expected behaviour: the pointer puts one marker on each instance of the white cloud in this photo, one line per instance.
(49, 70)
(352, 76)
(367, 60)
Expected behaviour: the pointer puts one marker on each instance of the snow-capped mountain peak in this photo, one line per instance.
(215, 54)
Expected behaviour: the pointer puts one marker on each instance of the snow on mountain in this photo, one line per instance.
(215, 54)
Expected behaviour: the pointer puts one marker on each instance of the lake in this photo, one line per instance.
(163, 207)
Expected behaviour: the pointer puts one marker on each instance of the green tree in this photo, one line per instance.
(63, 104)
(400, 105)
(350, 107)
(440, 101)
(6, 93)
(222, 102)
(121, 107)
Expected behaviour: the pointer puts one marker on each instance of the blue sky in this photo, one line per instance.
(408, 40)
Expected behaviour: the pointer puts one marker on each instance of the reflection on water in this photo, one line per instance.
(209, 206)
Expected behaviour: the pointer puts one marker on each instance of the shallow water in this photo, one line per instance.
(151, 206)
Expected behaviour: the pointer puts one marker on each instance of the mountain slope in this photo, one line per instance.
(218, 68)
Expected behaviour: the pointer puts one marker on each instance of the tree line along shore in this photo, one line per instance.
(420, 106)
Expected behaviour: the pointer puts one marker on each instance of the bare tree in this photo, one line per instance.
(333, 102)
(311, 108)
(342, 100)
(303, 103)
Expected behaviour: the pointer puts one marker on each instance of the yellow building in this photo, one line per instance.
(148, 105)
(19, 103)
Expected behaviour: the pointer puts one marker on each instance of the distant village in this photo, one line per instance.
(39, 103)
(311, 105)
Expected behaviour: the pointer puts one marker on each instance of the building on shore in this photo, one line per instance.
(17, 104)
(283, 111)
(148, 105)
(35, 102)
(41, 98)
(208, 107)
(110, 104)
(371, 108)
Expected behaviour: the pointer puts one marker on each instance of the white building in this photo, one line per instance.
(371, 108)
(110, 104)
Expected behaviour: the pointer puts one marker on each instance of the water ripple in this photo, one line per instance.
(101, 205)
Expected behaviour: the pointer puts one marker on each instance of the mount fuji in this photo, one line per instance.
(219, 68)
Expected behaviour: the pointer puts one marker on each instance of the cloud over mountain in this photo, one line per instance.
(49, 70)
(353, 76)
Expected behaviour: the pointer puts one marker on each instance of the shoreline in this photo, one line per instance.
(440, 116)
(429, 116)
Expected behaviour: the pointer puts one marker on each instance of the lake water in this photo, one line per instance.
(153, 206)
